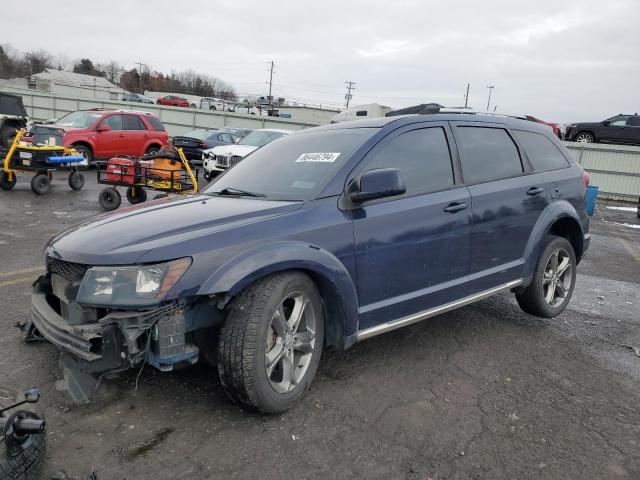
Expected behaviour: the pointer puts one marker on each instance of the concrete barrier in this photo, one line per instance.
(178, 120)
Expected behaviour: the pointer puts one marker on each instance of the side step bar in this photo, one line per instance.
(432, 312)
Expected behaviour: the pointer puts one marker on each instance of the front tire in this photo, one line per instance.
(585, 137)
(553, 281)
(76, 180)
(271, 342)
(136, 195)
(109, 199)
(85, 152)
(5, 183)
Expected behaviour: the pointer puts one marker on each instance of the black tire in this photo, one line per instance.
(243, 342)
(27, 463)
(584, 137)
(193, 105)
(152, 150)
(206, 175)
(532, 298)
(109, 199)
(85, 152)
(76, 180)
(40, 183)
(7, 134)
(136, 195)
(212, 108)
(638, 210)
(5, 183)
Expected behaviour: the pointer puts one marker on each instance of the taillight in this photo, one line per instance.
(585, 177)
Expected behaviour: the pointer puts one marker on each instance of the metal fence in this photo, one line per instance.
(178, 120)
(614, 169)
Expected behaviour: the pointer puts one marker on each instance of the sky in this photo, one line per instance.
(564, 61)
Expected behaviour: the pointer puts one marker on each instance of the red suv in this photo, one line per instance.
(99, 134)
(173, 101)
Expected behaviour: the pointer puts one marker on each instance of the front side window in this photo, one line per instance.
(296, 167)
(423, 158)
(618, 121)
(114, 122)
(487, 154)
(542, 153)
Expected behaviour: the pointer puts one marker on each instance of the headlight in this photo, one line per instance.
(134, 286)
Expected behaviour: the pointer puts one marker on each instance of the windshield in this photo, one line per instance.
(259, 139)
(295, 168)
(199, 134)
(79, 119)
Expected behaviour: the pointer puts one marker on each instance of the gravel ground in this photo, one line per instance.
(485, 392)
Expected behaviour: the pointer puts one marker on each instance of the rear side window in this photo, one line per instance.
(542, 153)
(487, 154)
(634, 122)
(156, 124)
(132, 122)
(423, 158)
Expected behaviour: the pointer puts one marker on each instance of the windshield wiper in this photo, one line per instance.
(238, 193)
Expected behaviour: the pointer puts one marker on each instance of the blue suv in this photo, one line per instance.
(323, 238)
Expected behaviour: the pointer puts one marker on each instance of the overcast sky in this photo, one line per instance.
(560, 60)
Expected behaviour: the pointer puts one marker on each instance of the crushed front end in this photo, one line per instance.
(103, 340)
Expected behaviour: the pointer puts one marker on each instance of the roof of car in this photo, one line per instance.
(109, 110)
(436, 117)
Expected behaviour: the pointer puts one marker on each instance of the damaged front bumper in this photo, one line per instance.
(114, 342)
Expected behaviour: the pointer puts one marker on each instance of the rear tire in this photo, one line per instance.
(109, 199)
(76, 180)
(40, 183)
(271, 342)
(27, 463)
(5, 183)
(136, 195)
(638, 210)
(553, 281)
(152, 150)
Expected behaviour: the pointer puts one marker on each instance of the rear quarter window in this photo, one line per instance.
(487, 154)
(542, 153)
(156, 124)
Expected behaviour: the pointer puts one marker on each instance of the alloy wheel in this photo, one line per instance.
(557, 278)
(290, 342)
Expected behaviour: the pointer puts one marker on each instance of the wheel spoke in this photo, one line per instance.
(297, 313)
(273, 356)
(287, 370)
(553, 261)
(564, 264)
(303, 341)
(549, 295)
(279, 322)
(546, 278)
(562, 289)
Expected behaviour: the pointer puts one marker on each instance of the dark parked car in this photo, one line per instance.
(618, 129)
(13, 117)
(326, 237)
(195, 142)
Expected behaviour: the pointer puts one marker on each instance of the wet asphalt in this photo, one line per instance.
(484, 392)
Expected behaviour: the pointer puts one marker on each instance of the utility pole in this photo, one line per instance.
(348, 96)
(490, 87)
(270, 98)
(466, 97)
(140, 77)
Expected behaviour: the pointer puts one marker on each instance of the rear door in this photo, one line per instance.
(506, 202)
(112, 142)
(136, 134)
(617, 131)
(633, 126)
(412, 250)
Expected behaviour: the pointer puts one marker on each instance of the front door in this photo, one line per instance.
(412, 250)
(136, 135)
(113, 141)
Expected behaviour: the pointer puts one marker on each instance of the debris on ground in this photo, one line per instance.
(635, 350)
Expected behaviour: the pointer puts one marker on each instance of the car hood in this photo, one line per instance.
(123, 237)
(231, 150)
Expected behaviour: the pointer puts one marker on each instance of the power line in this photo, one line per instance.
(348, 96)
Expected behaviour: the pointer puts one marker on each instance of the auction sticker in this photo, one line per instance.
(319, 157)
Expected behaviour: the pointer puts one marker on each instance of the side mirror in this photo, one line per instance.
(606, 122)
(378, 183)
(103, 128)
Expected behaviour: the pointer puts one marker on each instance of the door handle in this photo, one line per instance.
(455, 207)
(121, 135)
(533, 191)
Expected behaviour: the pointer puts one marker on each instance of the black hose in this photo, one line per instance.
(29, 426)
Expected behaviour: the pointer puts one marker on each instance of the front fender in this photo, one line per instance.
(334, 280)
(555, 211)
